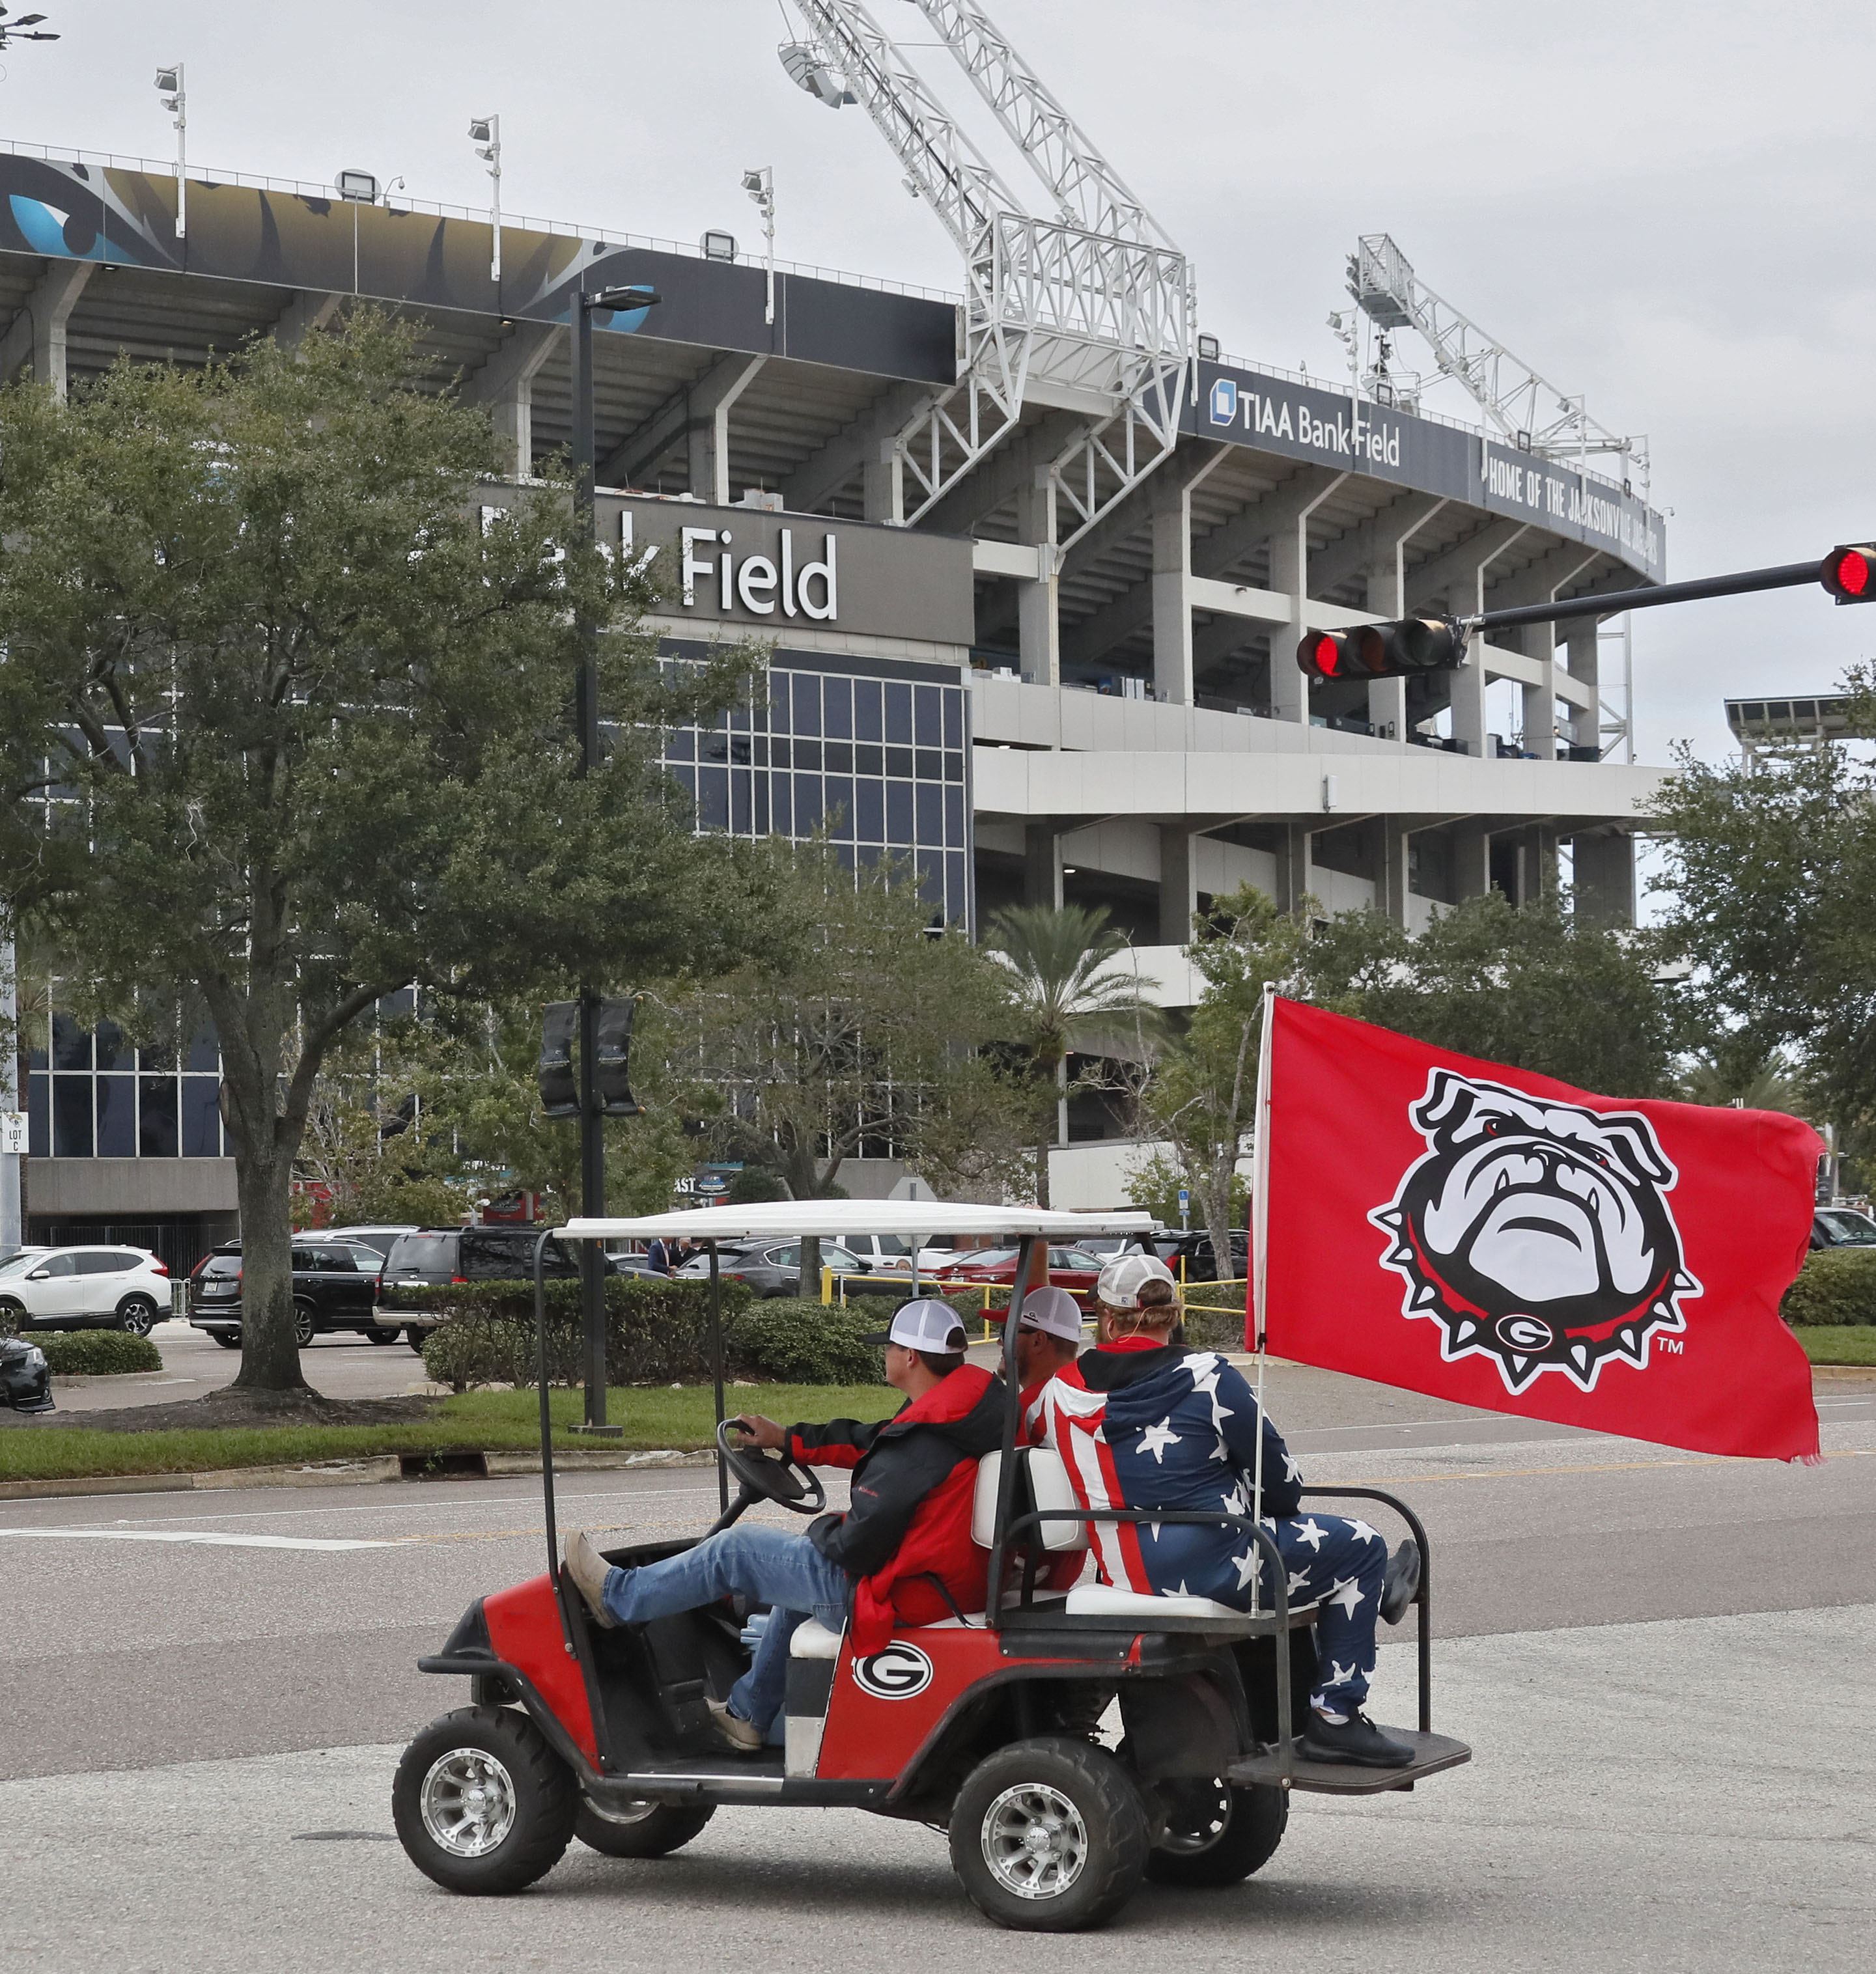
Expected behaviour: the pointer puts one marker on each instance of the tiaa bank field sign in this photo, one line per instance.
(757, 570)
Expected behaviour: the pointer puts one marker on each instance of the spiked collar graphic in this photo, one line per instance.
(1535, 1234)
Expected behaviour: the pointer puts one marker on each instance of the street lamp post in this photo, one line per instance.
(592, 1127)
(760, 186)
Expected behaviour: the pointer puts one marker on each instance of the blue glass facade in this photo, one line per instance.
(877, 754)
(89, 1094)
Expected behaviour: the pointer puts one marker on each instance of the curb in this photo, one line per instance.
(347, 1473)
(76, 1378)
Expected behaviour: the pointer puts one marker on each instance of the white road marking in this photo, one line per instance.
(208, 1537)
(393, 1508)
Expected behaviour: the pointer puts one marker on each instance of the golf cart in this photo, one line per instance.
(982, 1724)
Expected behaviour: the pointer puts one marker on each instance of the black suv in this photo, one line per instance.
(434, 1256)
(335, 1287)
(1201, 1263)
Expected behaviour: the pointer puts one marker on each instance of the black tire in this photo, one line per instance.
(414, 1338)
(138, 1314)
(1217, 1834)
(375, 1335)
(12, 1315)
(1086, 1801)
(655, 1831)
(306, 1324)
(448, 1837)
(229, 1340)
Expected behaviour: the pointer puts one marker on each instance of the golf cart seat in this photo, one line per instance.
(813, 1639)
(1042, 1482)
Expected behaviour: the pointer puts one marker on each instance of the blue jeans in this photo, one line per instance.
(764, 1564)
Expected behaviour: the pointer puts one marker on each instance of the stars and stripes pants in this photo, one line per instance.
(1336, 1565)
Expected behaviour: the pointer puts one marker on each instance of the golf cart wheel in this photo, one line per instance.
(305, 1328)
(645, 1829)
(229, 1340)
(378, 1333)
(137, 1314)
(481, 1803)
(1216, 1835)
(1049, 1836)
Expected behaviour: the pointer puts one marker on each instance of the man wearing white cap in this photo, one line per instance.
(1048, 1339)
(901, 1553)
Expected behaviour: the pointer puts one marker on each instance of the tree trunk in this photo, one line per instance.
(270, 1356)
(810, 1267)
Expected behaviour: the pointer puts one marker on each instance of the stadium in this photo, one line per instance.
(1035, 557)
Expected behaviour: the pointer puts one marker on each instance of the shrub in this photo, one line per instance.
(96, 1353)
(1837, 1285)
(798, 1342)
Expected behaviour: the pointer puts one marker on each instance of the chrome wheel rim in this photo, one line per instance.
(1034, 1842)
(1200, 1816)
(623, 1813)
(467, 1802)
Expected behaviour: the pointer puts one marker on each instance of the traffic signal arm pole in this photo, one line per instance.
(1790, 575)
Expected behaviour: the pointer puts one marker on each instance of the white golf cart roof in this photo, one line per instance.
(833, 1218)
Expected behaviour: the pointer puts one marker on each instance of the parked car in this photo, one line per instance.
(1841, 1227)
(335, 1287)
(1201, 1264)
(773, 1267)
(84, 1288)
(383, 1238)
(1074, 1269)
(25, 1383)
(434, 1256)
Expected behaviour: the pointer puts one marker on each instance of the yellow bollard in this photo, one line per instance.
(827, 1285)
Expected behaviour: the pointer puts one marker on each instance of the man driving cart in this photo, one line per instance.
(901, 1553)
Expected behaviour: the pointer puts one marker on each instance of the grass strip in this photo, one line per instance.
(1837, 1343)
(485, 1422)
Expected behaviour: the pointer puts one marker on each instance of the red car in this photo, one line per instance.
(1070, 1268)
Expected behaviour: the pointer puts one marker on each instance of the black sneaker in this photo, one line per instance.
(1401, 1583)
(1358, 1742)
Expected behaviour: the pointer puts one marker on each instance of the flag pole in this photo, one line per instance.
(1260, 1232)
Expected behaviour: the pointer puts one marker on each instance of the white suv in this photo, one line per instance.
(84, 1288)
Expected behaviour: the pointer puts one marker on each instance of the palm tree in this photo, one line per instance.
(1068, 995)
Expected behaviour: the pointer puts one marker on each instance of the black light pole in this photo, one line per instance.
(593, 1125)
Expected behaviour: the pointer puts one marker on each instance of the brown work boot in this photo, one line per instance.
(590, 1569)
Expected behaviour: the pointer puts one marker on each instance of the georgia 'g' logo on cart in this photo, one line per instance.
(1536, 1234)
(896, 1673)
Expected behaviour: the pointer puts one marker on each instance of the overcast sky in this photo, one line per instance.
(1664, 206)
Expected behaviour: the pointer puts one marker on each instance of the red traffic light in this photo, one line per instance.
(1848, 573)
(1384, 651)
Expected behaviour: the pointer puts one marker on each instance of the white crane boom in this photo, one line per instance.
(1088, 192)
(1513, 396)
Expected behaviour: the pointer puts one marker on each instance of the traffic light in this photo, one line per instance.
(560, 1093)
(611, 1058)
(1848, 573)
(1405, 650)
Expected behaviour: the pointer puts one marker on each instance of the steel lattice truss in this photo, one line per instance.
(1513, 396)
(1094, 307)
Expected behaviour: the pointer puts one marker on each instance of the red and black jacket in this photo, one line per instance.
(906, 1541)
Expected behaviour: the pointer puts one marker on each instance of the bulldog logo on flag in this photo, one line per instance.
(1535, 1234)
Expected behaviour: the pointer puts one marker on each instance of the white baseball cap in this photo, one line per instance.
(1126, 1275)
(1053, 1310)
(926, 1324)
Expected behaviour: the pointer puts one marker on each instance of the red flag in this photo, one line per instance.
(1492, 1237)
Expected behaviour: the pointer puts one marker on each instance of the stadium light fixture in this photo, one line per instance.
(485, 134)
(19, 29)
(171, 86)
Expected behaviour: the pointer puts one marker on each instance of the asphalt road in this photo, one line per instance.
(1662, 1661)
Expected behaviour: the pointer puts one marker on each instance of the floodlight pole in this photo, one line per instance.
(172, 79)
(586, 716)
(11, 1232)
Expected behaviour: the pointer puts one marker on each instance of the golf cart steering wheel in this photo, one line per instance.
(770, 1475)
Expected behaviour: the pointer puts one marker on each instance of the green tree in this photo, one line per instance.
(1202, 1097)
(865, 1028)
(1771, 869)
(1071, 991)
(1533, 987)
(284, 728)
